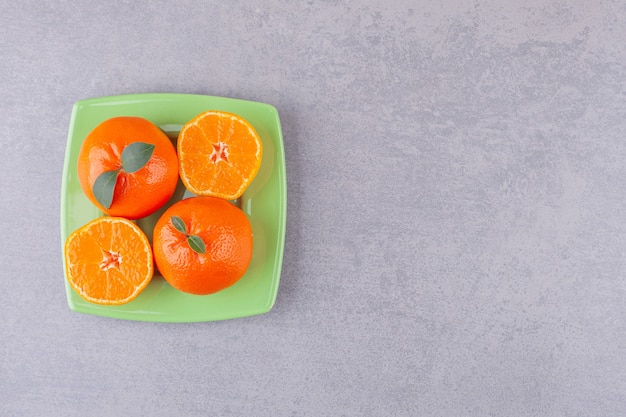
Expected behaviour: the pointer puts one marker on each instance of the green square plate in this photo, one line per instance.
(265, 203)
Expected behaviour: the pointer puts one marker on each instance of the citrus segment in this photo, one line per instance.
(219, 154)
(202, 245)
(108, 261)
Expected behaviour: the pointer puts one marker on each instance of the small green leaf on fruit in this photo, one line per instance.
(179, 224)
(104, 187)
(136, 155)
(196, 243)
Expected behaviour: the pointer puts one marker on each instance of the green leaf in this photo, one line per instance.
(196, 243)
(136, 155)
(104, 187)
(179, 224)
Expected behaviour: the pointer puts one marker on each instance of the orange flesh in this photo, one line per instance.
(108, 261)
(219, 154)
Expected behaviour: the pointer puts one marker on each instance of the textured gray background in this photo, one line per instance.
(457, 191)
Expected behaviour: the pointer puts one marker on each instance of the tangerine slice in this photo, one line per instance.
(219, 154)
(108, 261)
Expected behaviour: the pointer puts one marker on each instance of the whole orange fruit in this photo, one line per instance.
(128, 167)
(108, 261)
(219, 154)
(202, 244)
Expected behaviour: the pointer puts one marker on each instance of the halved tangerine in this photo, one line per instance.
(219, 154)
(108, 261)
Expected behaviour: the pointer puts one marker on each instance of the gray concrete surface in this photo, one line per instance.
(456, 218)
